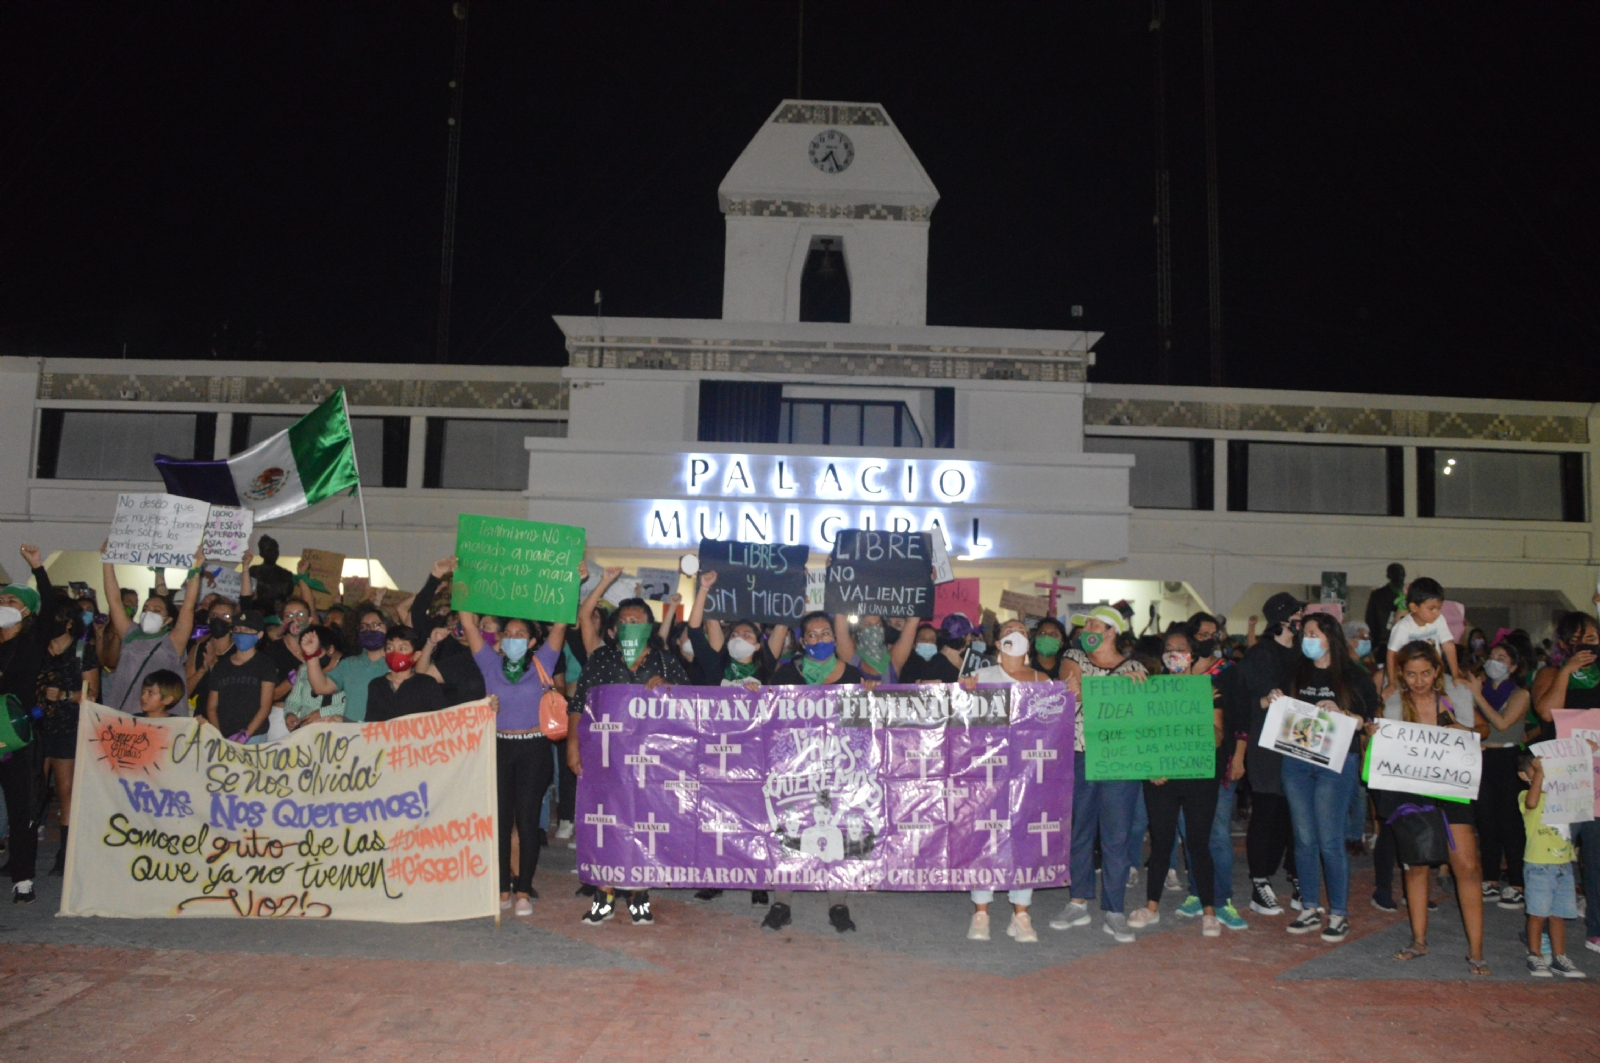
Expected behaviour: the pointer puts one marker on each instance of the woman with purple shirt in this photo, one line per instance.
(523, 755)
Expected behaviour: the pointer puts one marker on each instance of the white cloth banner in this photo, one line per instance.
(391, 822)
(1301, 730)
(1568, 766)
(161, 531)
(1421, 758)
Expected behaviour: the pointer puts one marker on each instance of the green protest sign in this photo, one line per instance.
(520, 568)
(1159, 729)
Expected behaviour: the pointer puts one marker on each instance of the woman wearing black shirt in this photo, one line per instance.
(1319, 798)
(743, 658)
(70, 662)
(23, 649)
(1049, 641)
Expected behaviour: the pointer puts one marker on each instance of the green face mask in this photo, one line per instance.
(1091, 640)
(634, 640)
(1047, 645)
(813, 671)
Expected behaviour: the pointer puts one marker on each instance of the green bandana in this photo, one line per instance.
(16, 727)
(1584, 678)
(634, 640)
(739, 671)
(1047, 645)
(870, 644)
(514, 670)
(816, 671)
(1091, 640)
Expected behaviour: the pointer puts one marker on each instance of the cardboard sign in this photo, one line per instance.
(1159, 729)
(521, 568)
(816, 589)
(880, 573)
(355, 589)
(756, 581)
(624, 588)
(942, 570)
(1303, 731)
(156, 530)
(227, 535)
(1421, 758)
(326, 567)
(1582, 723)
(957, 596)
(657, 584)
(1568, 765)
(1025, 604)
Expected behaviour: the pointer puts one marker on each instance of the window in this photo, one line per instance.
(381, 442)
(1499, 484)
(118, 445)
(825, 282)
(1167, 473)
(848, 424)
(485, 455)
(1312, 478)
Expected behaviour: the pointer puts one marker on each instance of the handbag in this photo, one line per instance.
(1421, 835)
(552, 707)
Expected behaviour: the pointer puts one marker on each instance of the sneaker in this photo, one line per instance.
(839, 916)
(1593, 944)
(759, 897)
(1565, 967)
(603, 908)
(707, 895)
(524, 906)
(564, 831)
(1229, 917)
(1020, 929)
(1262, 899)
(1076, 913)
(22, 892)
(1308, 921)
(1294, 898)
(1491, 890)
(1140, 918)
(778, 917)
(1172, 883)
(1117, 927)
(1337, 930)
(1383, 902)
(505, 903)
(1511, 897)
(1190, 908)
(1210, 927)
(978, 929)
(1537, 967)
(640, 911)
(1133, 875)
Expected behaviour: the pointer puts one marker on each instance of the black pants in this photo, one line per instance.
(20, 780)
(567, 794)
(1383, 861)
(1270, 839)
(1197, 799)
(525, 770)
(1501, 835)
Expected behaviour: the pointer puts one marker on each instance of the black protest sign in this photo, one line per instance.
(755, 581)
(880, 573)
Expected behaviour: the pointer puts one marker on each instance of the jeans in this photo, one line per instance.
(524, 768)
(1220, 845)
(1355, 824)
(1018, 897)
(1103, 810)
(1587, 835)
(1165, 803)
(1319, 801)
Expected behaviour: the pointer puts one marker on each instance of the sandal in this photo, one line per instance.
(1480, 968)
(1414, 951)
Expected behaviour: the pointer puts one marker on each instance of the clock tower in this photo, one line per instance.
(827, 214)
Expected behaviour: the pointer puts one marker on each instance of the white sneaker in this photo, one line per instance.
(1074, 914)
(1210, 926)
(564, 831)
(1133, 875)
(1172, 882)
(1140, 918)
(524, 906)
(1021, 929)
(505, 903)
(978, 929)
(1117, 926)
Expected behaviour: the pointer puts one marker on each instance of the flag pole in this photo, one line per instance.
(361, 497)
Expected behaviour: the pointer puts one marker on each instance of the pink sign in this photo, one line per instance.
(1455, 617)
(1333, 609)
(1582, 723)
(957, 596)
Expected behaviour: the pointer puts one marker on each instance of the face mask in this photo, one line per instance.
(977, 645)
(296, 624)
(1363, 647)
(1014, 644)
(490, 638)
(1313, 648)
(1047, 645)
(1091, 640)
(634, 640)
(88, 618)
(741, 649)
(245, 641)
(925, 650)
(1176, 662)
(399, 661)
(10, 617)
(1206, 648)
(150, 623)
(129, 610)
(515, 649)
(217, 628)
(1477, 644)
(821, 651)
(1496, 669)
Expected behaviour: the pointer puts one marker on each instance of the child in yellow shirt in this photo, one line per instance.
(1548, 884)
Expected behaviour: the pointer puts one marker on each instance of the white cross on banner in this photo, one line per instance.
(720, 750)
(995, 826)
(599, 821)
(916, 829)
(1039, 754)
(685, 788)
(951, 795)
(990, 759)
(1044, 828)
(651, 828)
(641, 761)
(719, 827)
(605, 728)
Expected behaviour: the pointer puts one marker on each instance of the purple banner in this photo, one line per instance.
(895, 788)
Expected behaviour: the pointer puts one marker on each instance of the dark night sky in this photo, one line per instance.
(1407, 193)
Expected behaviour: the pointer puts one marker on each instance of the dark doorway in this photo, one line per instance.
(825, 285)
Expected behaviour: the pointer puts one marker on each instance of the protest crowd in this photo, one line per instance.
(292, 653)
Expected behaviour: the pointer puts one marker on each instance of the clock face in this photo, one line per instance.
(831, 151)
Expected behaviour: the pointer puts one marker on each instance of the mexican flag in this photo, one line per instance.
(312, 459)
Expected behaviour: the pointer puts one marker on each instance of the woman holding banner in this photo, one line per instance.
(742, 658)
(1421, 700)
(23, 651)
(1319, 797)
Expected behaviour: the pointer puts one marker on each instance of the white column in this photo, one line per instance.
(416, 453)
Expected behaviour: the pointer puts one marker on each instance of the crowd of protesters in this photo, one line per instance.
(273, 661)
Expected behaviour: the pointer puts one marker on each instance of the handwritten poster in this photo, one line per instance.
(1159, 729)
(880, 573)
(1303, 731)
(1568, 766)
(227, 534)
(222, 579)
(757, 581)
(390, 822)
(1025, 604)
(156, 530)
(520, 568)
(1422, 758)
(326, 567)
(1583, 723)
(957, 596)
(657, 584)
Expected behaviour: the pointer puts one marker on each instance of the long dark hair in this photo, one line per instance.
(1339, 653)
